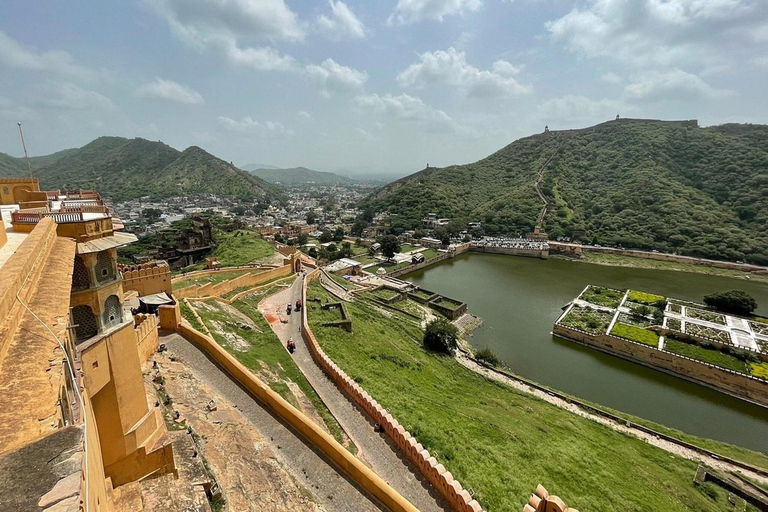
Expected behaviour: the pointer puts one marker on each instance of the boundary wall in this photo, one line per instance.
(248, 279)
(733, 383)
(513, 251)
(318, 438)
(434, 472)
(147, 339)
(147, 278)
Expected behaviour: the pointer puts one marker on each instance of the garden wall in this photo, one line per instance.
(734, 383)
(318, 438)
(434, 472)
(248, 279)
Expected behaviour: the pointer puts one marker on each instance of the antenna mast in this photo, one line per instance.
(24, 145)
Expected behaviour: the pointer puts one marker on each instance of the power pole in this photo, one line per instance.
(24, 145)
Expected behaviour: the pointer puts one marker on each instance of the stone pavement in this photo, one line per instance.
(331, 490)
(375, 449)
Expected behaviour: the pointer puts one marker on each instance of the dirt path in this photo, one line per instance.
(668, 446)
(537, 185)
(265, 465)
(375, 449)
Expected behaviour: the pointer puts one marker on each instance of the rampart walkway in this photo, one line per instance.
(375, 449)
(309, 468)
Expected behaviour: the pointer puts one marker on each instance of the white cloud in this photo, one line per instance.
(342, 23)
(451, 67)
(365, 134)
(263, 58)
(410, 109)
(611, 78)
(69, 96)
(655, 32)
(11, 110)
(304, 115)
(333, 77)
(15, 55)
(411, 11)
(760, 62)
(249, 126)
(169, 90)
(675, 85)
(575, 108)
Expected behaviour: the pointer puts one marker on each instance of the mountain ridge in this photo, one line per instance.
(295, 176)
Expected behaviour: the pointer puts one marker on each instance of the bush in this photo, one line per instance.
(734, 301)
(441, 336)
(487, 356)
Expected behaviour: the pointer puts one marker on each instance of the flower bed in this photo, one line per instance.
(602, 296)
(709, 316)
(759, 328)
(676, 308)
(638, 334)
(638, 321)
(586, 319)
(674, 324)
(707, 332)
(644, 298)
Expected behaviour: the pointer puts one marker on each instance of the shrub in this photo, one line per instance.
(734, 301)
(645, 298)
(441, 336)
(638, 334)
(487, 356)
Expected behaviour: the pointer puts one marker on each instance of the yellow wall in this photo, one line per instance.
(250, 279)
(12, 189)
(147, 279)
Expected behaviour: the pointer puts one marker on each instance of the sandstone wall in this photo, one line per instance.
(513, 251)
(147, 340)
(147, 278)
(734, 383)
(248, 279)
(434, 472)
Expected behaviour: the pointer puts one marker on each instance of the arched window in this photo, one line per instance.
(80, 278)
(105, 270)
(85, 322)
(113, 312)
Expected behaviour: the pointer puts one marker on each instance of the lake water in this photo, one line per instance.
(520, 299)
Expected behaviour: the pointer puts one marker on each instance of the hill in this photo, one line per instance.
(298, 176)
(12, 166)
(670, 186)
(125, 169)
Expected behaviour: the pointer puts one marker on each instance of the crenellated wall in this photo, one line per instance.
(249, 279)
(434, 472)
(147, 278)
(147, 340)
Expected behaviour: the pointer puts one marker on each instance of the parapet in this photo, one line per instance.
(542, 501)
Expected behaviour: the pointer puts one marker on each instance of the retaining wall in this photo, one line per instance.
(434, 472)
(513, 251)
(248, 279)
(734, 383)
(419, 266)
(318, 438)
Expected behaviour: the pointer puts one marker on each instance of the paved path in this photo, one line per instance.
(309, 468)
(375, 449)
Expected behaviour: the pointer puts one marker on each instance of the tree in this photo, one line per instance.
(338, 235)
(368, 214)
(332, 248)
(311, 218)
(303, 238)
(441, 336)
(734, 301)
(346, 250)
(151, 213)
(358, 227)
(390, 246)
(312, 252)
(325, 237)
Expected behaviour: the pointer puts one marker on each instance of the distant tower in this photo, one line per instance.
(546, 129)
(427, 165)
(617, 117)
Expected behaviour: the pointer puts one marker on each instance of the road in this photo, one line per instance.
(375, 449)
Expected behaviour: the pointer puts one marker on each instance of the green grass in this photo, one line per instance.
(241, 289)
(586, 319)
(759, 370)
(706, 355)
(186, 312)
(644, 298)
(638, 334)
(497, 440)
(407, 248)
(364, 259)
(266, 348)
(240, 247)
(213, 278)
(386, 294)
(603, 296)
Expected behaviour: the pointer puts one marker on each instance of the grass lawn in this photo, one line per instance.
(602, 296)
(644, 298)
(265, 349)
(386, 294)
(421, 293)
(365, 259)
(407, 247)
(240, 248)
(638, 334)
(241, 289)
(213, 278)
(501, 442)
(759, 370)
(706, 355)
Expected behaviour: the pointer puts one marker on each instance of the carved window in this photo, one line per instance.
(113, 312)
(85, 322)
(105, 270)
(6, 190)
(80, 278)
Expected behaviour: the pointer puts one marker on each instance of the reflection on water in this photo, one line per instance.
(520, 298)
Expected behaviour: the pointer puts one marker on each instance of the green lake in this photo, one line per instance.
(519, 300)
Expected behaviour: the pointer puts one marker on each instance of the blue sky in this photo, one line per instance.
(369, 87)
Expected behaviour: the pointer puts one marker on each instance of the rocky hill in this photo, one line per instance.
(670, 186)
(299, 176)
(129, 168)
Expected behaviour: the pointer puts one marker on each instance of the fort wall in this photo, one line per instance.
(318, 438)
(147, 339)
(147, 278)
(434, 472)
(248, 279)
(514, 251)
(734, 383)
(3, 236)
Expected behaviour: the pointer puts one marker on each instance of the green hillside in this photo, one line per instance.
(129, 168)
(12, 166)
(669, 186)
(298, 176)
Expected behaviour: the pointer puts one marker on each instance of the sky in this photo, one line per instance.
(369, 87)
